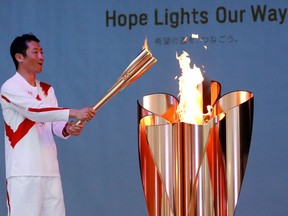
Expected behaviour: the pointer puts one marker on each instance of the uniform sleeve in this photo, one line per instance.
(19, 100)
(58, 126)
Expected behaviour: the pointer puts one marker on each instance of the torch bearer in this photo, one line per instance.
(143, 61)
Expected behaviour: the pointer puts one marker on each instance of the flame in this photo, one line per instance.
(190, 108)
(145, 45)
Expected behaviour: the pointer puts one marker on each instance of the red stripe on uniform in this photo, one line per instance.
(45, 87)
(5, 98)
(8, 198)
(47, 109)
(21, 131)
(38, 98)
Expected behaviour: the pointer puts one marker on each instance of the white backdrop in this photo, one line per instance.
(87, 45)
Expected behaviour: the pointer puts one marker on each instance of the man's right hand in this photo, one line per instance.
(84, 114)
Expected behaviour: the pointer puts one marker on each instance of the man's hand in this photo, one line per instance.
(85, 114)
(72, 129)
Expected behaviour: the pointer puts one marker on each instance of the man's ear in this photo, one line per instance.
(19, 57)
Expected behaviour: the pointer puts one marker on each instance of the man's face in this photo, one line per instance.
(34, 59)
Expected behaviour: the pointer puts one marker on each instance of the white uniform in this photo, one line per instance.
(31, 116)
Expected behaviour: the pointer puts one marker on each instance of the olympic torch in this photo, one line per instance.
(141, 63)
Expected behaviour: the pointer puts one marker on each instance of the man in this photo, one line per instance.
(31, 117)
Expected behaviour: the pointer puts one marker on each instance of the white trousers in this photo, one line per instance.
(35, 196)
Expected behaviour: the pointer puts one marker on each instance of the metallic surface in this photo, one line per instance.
(136, 68)
(235, 139)
(191, 169)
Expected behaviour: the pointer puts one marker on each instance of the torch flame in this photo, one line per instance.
(145, 46)
(190, 108)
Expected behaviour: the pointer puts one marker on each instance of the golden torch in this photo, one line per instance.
(143, 61)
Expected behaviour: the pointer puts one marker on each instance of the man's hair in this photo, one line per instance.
(19, 45)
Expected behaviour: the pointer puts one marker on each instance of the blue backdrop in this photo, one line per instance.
(88, 44)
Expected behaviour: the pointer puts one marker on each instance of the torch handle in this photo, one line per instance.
(105, 98)
(138, 67)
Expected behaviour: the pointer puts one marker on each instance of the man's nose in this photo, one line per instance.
(40, 56)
